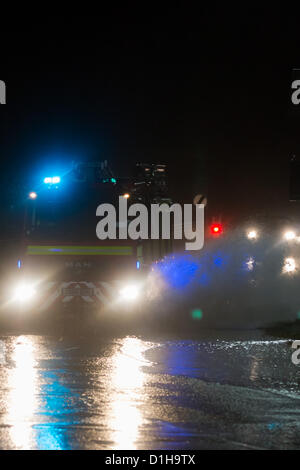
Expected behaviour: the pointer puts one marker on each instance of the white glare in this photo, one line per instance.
(252, 235)
(289, 265)
(127, 395)
(21, 401)
(250, 264)
(290, 235)
(129, 292)
(32, 195)
(24, 292)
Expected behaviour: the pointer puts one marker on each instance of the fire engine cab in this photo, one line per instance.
(60, 269)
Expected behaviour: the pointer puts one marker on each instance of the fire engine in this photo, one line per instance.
(58, 271)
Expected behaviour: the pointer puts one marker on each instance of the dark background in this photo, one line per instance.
(205, 91)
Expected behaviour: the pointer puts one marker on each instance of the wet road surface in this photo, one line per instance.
(131, 393)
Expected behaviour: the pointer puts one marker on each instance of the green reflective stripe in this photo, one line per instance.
(79, 250)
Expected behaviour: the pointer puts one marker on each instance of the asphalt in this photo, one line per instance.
(222, 391)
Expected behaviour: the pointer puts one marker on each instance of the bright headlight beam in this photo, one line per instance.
(130, 292)
(24, 292)
(252, 234)
(289, 265)
(289, 235)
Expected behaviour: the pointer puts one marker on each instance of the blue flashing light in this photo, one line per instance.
(221, 260)
(52, 180)
(218, 261)
(179, 272)
(19, 264)
(138, 265)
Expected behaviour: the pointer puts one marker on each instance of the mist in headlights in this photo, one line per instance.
(24, 292)
(289, 265)
(234, 282)
(129, 293)
(289, 235)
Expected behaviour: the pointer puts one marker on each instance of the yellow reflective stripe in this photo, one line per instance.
(79, 250)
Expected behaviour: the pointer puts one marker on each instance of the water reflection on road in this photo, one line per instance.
(128, 393)
(127, 381)
(43, 405)
(21, 399)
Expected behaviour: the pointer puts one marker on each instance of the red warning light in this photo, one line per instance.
(216, 229)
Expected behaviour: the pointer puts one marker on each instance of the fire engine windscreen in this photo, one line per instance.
(68, 214)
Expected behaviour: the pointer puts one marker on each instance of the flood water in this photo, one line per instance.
(135, 393)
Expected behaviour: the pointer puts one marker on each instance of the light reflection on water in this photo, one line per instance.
(107, 395)
(25, 408)
(39, 406)
(22, 385)
(254, 369)
(127, 392)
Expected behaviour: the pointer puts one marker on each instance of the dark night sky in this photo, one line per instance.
(206, 92)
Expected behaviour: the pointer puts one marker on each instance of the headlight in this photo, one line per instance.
(24, 292)
(289, 235)
(250, 264)
(252, 235)
(130, 292)
(289, 265)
